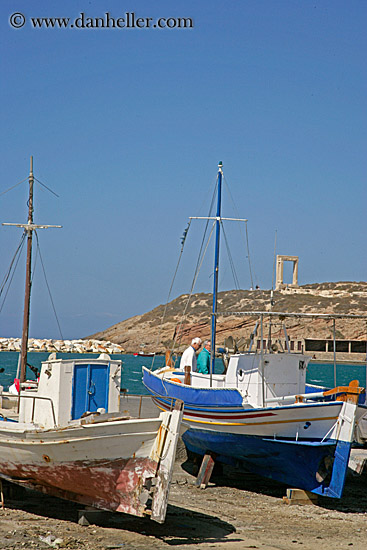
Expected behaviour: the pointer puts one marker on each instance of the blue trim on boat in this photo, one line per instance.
(198, 396)
(340, 468)
(6, 419)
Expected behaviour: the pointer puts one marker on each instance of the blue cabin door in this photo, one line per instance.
(90, 389)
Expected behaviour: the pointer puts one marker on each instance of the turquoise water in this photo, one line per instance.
(317, 373)
(131, 367)
(322, 374)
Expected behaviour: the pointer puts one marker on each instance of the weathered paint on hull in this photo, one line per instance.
(115, 465)
(114, 485)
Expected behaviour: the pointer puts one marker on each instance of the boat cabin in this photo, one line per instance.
(68, 389)
(262, 379)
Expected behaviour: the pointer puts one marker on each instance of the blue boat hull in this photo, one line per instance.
(313, 466)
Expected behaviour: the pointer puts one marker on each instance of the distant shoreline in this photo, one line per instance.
(88, 345)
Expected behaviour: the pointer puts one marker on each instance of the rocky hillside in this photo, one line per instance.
(148, 332)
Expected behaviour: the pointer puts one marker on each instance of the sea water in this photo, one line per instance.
(318, 373)
(131, 379)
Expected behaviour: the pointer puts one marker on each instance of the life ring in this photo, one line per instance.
(176, 380)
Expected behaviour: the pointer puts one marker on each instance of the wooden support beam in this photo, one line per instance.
(187, 380)
(358, 461)
(205, 471)
(300, 497)
(90, 516)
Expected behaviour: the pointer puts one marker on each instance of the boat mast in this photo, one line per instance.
(29, 227)
(28, 282)
(216, 269)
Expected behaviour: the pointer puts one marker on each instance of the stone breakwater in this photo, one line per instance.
(63, 346)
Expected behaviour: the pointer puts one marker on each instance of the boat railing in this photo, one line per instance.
(40, 397)
(299, 398)
(135, 404)
(349, 393)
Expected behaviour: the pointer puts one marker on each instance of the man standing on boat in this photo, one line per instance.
(188, 358)
(203, 360)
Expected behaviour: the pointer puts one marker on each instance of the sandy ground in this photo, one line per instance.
(235, 511)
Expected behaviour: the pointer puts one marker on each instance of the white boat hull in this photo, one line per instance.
(108, 465)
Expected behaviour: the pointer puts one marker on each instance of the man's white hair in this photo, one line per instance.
(196, 341)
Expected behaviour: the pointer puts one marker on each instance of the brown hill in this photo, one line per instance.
(154, 331)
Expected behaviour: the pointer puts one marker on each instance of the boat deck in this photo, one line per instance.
(135, 406)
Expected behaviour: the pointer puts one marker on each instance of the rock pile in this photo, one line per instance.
(64, 346)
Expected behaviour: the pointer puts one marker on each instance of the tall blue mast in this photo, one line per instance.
(216, 268)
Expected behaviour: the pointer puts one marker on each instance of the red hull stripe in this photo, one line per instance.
(223, 416)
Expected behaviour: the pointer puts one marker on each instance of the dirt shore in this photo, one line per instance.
(236, 511)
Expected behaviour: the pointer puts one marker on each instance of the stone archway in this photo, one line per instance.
(280, 269)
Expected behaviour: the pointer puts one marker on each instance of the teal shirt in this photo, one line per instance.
(203, 361)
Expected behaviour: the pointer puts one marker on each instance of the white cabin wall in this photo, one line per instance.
(282, 375)
(114, 386)
(56, 384)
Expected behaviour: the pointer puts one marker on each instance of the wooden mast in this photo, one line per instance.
(29, 227)
(28, 282)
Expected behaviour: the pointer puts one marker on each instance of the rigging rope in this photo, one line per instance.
(247, 241)
(183, 240)
(48, 287)
(45, 186)
(10, 273)
(231, 262)
(248, 255)
(177, 333)
(196, 274)
(201, 255)
(200, 260)
(13, 187)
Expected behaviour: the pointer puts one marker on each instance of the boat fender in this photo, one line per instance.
(176, 380)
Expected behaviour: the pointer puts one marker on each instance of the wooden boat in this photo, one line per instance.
(70, 440)
(258, 415)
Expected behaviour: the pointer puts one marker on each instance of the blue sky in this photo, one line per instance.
(127, 126)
